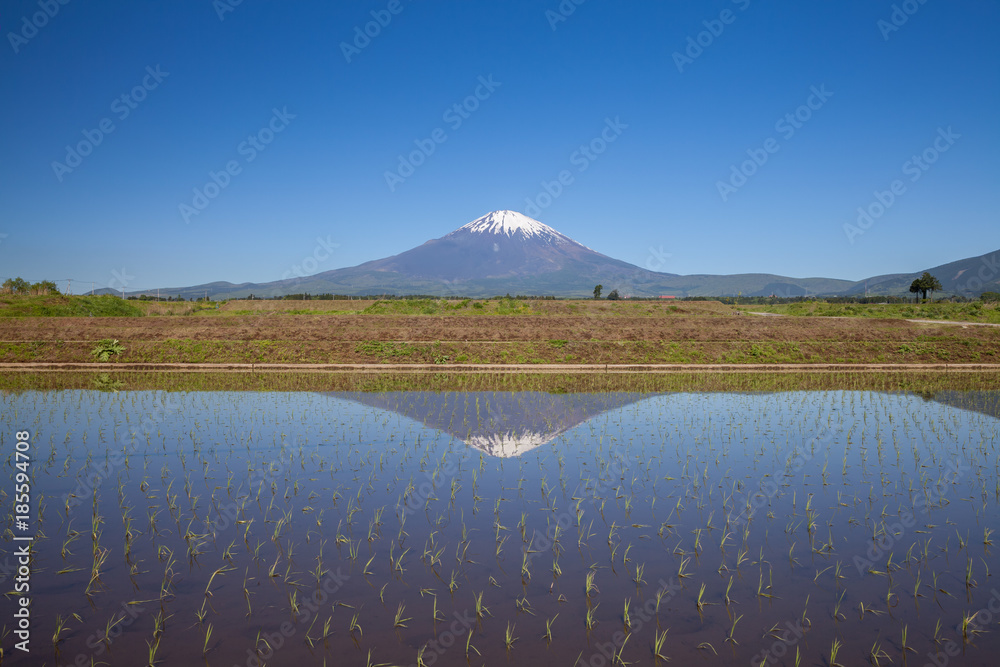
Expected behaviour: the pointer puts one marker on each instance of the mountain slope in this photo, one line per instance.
(505, 252)
(967, 277)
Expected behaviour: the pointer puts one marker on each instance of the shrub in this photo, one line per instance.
(106, 348)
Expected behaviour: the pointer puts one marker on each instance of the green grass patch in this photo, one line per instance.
(381, 349)
(67, 306)
(975, 311)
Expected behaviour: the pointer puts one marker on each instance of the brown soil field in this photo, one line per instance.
(548, 332)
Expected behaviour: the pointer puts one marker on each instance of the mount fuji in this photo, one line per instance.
(505, 252)
(506, 247)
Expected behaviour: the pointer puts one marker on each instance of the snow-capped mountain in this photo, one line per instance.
(506, 247)
(511, 224)
(506, 252)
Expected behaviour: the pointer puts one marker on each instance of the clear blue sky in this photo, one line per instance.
(323, 175)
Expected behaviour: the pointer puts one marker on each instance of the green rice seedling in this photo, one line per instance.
(590, 586)
(905, 644)
(100, 556)
(705, 645)
(112, 623)
(729, 587)
(548, 629)
(625, 617)
(60, 626)
(969, 627)
(659, 640)
(590, 620)
(509, 637)
(469, 647)
(208, 637)
(834, 650)
(400, 621)
(523, 605)
(436, 615)
(660, 593)
(700, 603)
(481, 609)
(732, 630)
(355, 626)
(617, 659)
(837, 615)
(638, 576)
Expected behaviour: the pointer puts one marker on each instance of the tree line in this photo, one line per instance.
(21, 286)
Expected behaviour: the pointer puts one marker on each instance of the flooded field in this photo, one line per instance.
(837, 527)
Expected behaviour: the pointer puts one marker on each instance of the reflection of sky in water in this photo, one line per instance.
(657, 467)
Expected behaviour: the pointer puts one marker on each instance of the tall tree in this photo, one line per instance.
(597, 291)
(929, 284)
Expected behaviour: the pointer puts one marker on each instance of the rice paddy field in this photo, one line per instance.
(635, 523)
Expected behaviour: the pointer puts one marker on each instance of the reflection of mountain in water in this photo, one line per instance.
(497, 423)
(985, 402)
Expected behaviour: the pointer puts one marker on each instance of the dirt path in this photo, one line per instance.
(506, 368)
(964, 324)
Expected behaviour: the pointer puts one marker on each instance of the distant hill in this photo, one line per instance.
(505, 252)
(966, 277)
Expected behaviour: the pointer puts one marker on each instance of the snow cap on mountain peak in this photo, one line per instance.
(509, 223)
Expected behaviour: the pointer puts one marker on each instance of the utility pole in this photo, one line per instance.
(69, 290)
(91, 288)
